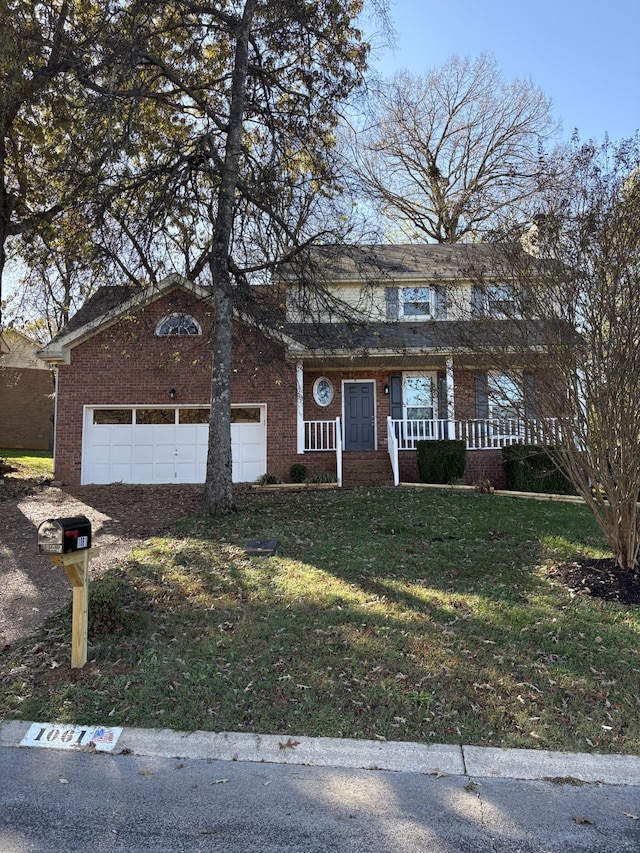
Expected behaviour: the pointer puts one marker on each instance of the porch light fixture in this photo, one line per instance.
(172, 394)
(386, 389)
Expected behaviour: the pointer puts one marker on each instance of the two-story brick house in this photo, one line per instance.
(351, 396)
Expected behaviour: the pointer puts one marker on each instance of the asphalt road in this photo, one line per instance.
(59, 801)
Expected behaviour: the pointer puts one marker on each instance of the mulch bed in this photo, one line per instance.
(600, 579)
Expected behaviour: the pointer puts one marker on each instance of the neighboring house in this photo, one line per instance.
(26, 394)
(134, 372)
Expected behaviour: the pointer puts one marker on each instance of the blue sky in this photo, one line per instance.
(584, 55)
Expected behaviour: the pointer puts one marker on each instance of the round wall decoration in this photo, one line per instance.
(322, 391)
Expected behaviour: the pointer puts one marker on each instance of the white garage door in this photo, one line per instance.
(167, 445)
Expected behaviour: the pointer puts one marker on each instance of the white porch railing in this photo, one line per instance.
(478, 434)
(321, 435)
(487, 433)
(325, 435)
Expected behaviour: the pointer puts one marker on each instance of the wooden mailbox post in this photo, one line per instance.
(76, 565)
(67, 543)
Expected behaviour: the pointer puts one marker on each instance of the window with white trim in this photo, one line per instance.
(418, 396)
(178, 324)
(504, 397)
(501, 300)
(416, 302)
(419, 405)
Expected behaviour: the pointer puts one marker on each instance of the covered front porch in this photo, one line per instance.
(386, 412)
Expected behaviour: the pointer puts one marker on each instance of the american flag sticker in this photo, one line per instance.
(57, 736)
(102, 736)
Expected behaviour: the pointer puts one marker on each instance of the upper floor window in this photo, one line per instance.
(178, 324)
(501, 300)
(416, 302)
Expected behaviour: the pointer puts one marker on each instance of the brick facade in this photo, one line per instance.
(26, 408)
(127, 364)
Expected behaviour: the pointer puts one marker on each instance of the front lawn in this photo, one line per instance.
(399, 614)
(28, 464)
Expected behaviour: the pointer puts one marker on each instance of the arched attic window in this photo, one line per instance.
(178, 324)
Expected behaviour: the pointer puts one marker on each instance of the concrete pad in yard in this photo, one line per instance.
(541, 764)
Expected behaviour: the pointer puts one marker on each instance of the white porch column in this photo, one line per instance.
(451, 414)
(300, 406)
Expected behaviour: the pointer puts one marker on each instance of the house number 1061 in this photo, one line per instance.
(67, 736)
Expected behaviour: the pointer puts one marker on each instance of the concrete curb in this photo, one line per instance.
(395, 756)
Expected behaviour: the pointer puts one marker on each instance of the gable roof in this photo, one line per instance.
(104, 308)
(398, 262)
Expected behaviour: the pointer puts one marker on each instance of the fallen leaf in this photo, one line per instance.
(580, 819)
(220, 782)
(63, 781)
(145, 773)
(632, 816)
(290, 744)
(437, 773)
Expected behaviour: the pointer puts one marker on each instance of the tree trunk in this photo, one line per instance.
(218, 490)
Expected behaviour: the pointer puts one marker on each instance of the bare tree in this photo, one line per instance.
(449, 151)
(568, 331)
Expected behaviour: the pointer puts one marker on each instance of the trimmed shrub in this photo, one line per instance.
(322, 477)
(268, 480)
(441, 461)
(530, 468)
(298, 472)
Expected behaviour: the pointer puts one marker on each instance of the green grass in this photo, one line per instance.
(398, 614)
(29, 464)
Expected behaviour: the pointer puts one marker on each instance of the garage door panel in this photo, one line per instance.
(164, 436)
(164, 472)
(100, 473)
(143, 435)
(164, 453)
(121, 436)
(143, 453)
(142, 472)
(133, 452)
(121, 453)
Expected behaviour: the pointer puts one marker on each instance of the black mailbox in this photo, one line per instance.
(64, 535)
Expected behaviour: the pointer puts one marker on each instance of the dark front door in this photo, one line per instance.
(359, 416)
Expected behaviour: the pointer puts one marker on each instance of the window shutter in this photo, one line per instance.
(395, 397)
(392, 298)
(477, 301)
(440, 302)
(442, 396)
(482, 396)
(530, 401)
